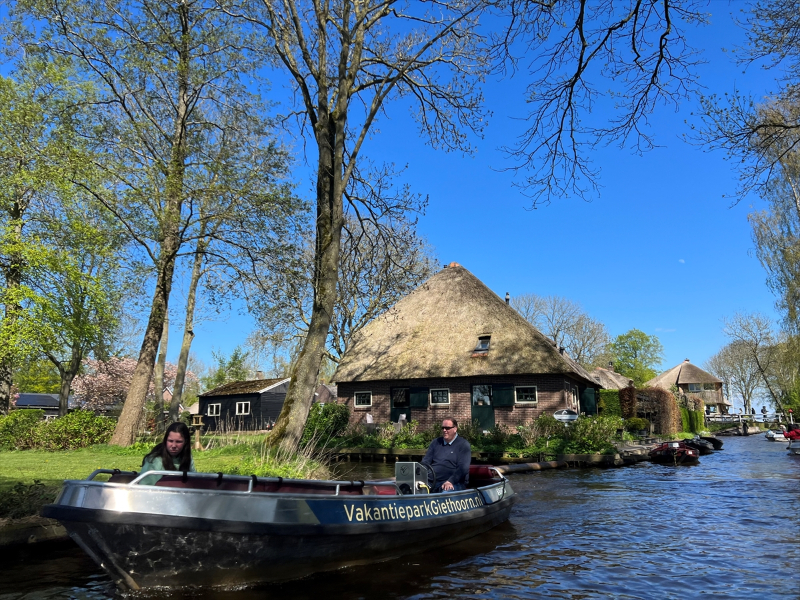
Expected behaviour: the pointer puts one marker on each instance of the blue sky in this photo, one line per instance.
(661, 249)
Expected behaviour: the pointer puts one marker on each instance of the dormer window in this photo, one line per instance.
(483, 344)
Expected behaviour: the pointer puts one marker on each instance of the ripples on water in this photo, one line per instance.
(726, 528)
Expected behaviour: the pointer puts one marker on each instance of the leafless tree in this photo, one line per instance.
(349, 61)
(565, 322)
(625, 58)
(754, 338)
(739, 373)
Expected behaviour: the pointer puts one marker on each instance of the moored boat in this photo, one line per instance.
(794, 447)
(674, 453)
(775, 436)
(703, 447)
(716, 442)
(205, 529)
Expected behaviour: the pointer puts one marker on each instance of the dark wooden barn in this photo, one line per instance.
(243, 405)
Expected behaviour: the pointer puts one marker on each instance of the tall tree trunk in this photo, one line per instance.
(158, 375)
(330, 217)
(127, 425)
(67, 373)
(188, 329)
(13, 280)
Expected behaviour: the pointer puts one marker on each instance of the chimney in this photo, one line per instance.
(685, 360)
(508, 298)
(259, 374)
(611, 366)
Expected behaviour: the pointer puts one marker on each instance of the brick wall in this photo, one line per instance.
(550, 393)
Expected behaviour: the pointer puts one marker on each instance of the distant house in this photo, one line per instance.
(46, 402)
(611, 380)
(692, 380)
(243, 405)
(453, 347)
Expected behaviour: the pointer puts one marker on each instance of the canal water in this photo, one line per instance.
(726, 528)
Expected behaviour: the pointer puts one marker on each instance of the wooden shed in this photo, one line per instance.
(243, 405)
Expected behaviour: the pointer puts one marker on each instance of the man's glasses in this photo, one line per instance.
(448, 428)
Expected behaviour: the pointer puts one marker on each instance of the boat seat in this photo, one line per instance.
(380, 490)
(480, 475)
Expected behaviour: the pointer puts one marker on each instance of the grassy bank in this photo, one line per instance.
(31, 478)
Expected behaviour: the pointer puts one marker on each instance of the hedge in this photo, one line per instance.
(609, 403)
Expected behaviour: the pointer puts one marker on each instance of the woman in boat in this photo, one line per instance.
(174, 453)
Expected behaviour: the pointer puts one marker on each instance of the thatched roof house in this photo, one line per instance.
(454, 332)
(610, 380)
(691, 379)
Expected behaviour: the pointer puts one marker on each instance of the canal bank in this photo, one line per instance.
(724, 528)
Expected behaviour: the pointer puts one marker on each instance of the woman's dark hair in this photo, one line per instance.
(160, 451)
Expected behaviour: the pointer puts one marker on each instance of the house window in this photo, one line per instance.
(440, 397)
(363, 399)
(400, 398)
(242, 408)
(695, 387)
(213, 410)
(482, 395)
(709, 387)
(526, 395)
(483, 344)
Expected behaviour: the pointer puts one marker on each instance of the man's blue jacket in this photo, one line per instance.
(450, 463)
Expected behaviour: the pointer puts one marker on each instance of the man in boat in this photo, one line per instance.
(449, 457)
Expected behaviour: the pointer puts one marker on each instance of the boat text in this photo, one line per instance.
(407, 512)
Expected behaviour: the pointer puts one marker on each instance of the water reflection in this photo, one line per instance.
(726, 527)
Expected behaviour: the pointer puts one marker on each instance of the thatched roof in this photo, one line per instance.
(254, 386)
(434, 331)
(683, 373)
(611, 380)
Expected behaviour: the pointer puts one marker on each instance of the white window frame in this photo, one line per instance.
(241, 412)
(526, 402)
(214, 410)
(430, 397)
(355, 399)
(695, 391)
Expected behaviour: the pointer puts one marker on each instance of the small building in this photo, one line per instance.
(610, 379)
(452, 347)
(243, 405)
(46, 402)
(691, 380)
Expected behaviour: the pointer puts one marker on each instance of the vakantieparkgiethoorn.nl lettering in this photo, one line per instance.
(393, 512)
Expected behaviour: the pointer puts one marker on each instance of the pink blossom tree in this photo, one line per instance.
(105, 383)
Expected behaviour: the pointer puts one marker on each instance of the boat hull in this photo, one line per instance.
(145, 536)
(794, 447)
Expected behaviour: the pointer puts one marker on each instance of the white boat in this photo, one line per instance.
(794, 447)
(775, 436)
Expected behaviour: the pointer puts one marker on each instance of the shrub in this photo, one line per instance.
(548, 426)
(608, 404)
(325, 421)
(78, 429)
(637, 424)
(627, 401)
(17, 429)
(25, 500)
(593, 434)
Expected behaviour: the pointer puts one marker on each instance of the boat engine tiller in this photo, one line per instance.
(412, 477)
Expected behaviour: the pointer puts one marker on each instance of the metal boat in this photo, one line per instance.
(674, 453)
(794, 447)
(775, 436)
(206, 529)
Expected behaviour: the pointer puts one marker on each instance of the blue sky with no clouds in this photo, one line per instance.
(660, 250)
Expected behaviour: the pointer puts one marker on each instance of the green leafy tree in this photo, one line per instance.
(173, 118)
(38, 153)
(637, 355)
(228, 369)
(37, 376)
